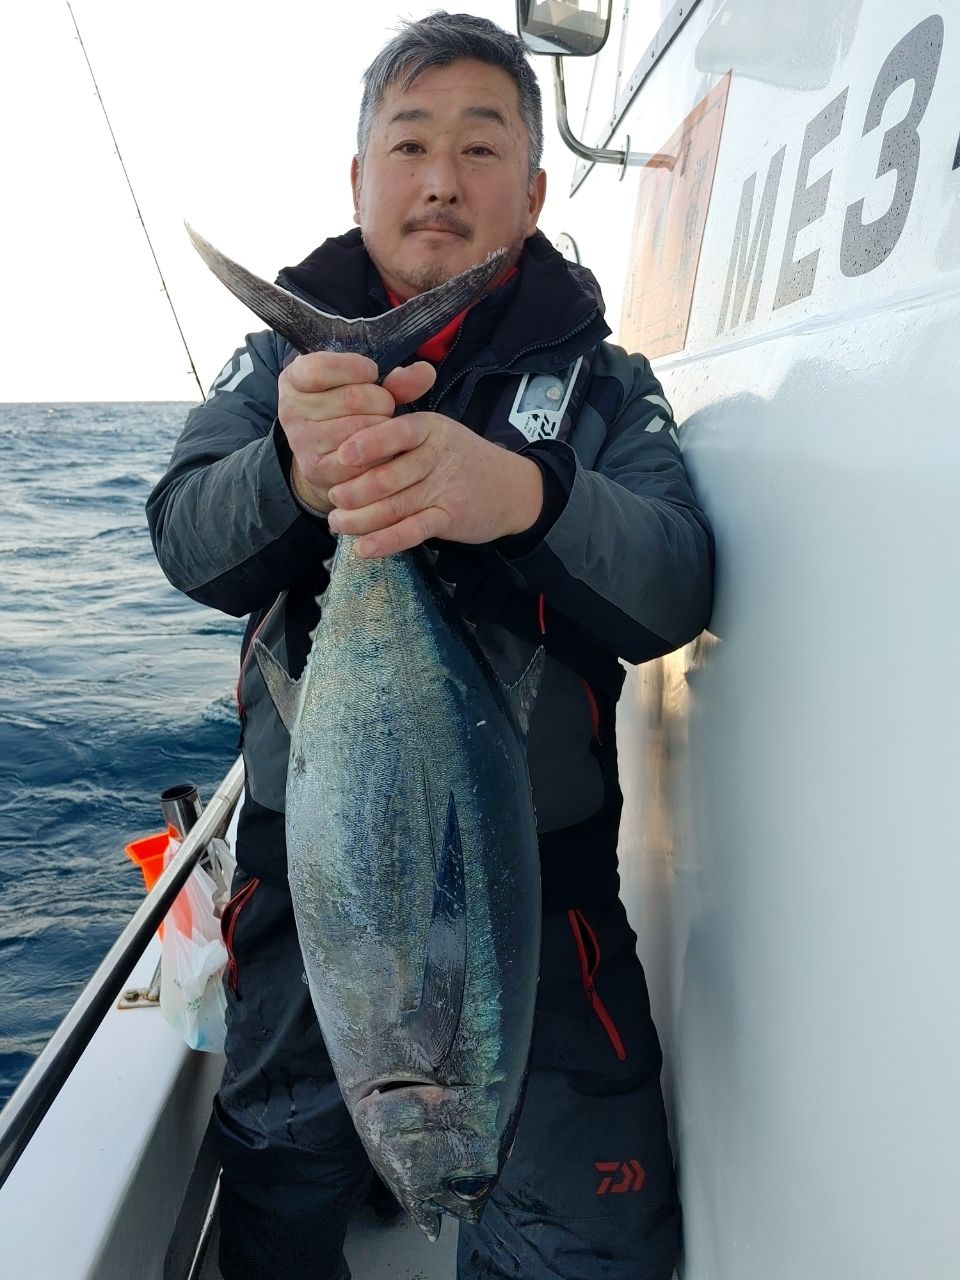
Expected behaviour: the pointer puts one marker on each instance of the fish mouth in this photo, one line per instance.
(426, 1217)
(430, 1143)
(391, 1084)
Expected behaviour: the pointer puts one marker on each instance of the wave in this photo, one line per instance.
(113, 686)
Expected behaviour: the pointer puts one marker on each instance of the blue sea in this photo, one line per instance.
(113, 686)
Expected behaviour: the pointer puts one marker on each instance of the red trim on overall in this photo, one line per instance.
(228, 925)
(542, 614)
(246, 657)
(594, 710)
(579, 922)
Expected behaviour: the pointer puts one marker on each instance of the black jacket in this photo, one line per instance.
(618, 566)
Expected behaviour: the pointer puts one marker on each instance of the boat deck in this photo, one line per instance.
(376, 1250)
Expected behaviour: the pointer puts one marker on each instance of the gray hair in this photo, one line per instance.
(438, 40)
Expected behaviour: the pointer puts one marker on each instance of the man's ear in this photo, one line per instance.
(535, 200)
(356, 173)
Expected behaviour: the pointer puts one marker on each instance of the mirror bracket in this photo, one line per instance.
(600, 155)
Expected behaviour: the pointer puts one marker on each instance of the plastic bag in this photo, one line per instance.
(193, 955)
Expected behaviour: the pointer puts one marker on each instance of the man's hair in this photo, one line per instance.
(438, 40)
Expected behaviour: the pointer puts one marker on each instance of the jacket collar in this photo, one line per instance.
(549, 300)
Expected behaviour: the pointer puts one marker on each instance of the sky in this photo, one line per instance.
(239, 117)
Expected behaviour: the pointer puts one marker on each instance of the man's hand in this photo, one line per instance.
(324, 398)
(424, 476)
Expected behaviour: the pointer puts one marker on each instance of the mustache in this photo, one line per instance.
(443, 219)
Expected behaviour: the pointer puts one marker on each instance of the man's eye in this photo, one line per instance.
(480, 150)
(409, 148)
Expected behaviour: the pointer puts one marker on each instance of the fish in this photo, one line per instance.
(411, 837)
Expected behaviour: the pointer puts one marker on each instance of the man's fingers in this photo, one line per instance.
(378, 484)
(409, 533)
(385, 440)
(315, 448)
(410, 382)
(322, 471)
(322, 370)
(327, 437)
(350, 400)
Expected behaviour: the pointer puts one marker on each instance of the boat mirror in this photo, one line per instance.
(577, 27)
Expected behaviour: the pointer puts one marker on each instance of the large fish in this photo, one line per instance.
(411, 837)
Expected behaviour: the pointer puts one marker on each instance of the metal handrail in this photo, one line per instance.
(38, 1089)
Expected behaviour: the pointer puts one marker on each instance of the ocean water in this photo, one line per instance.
(113, 686)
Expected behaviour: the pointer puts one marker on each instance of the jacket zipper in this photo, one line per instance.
(588, 971)
(438, 397)
(435, 399)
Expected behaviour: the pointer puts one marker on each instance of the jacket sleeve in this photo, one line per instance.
(226, 527)
(629, 556)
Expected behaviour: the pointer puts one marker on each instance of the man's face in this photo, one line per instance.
(445, 179)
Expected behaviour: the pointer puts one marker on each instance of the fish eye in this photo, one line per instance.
(470, 1188)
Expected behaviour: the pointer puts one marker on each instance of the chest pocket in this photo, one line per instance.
(516, 410)
(540, 407)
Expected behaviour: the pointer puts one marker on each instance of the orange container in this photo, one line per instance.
(148, 853)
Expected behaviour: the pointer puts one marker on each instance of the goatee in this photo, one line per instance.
(422, 279)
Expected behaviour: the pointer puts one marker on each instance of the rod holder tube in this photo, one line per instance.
(181, 808)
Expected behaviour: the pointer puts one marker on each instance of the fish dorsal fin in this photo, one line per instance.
(522, 696)
(434, 1023)
(284, 691)
(389, 339)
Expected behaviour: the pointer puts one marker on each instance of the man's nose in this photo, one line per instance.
(441, 180)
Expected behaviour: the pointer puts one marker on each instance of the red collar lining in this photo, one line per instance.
(439, 346)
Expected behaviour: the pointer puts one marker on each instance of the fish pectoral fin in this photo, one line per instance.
(522, 696)
(283, 690)
(435, 1022)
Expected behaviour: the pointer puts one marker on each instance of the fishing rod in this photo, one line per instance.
(136, 202)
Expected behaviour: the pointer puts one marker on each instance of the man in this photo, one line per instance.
(542, 465)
